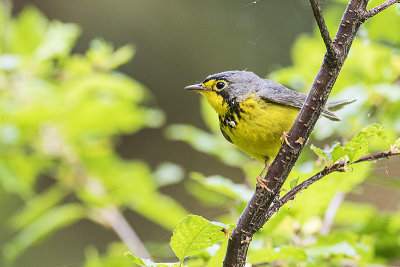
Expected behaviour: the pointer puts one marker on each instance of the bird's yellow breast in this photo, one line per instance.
(256, 126)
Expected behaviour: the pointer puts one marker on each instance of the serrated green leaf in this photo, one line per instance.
(353, 149)
(320, 153)
(194, 234)
(147, 262)
(339, 152)
(358, 146)
(370, 131)
(327, 154)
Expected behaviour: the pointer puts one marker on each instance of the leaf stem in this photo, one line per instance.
(374, 11)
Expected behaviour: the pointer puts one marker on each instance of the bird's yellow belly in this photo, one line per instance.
(258, 128)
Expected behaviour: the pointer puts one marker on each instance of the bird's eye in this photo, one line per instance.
(220, 85)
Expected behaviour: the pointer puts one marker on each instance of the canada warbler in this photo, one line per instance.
(255, 113)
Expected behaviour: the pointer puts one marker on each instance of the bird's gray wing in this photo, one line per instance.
(275, 92)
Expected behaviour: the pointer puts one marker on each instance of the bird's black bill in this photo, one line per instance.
(196, 87)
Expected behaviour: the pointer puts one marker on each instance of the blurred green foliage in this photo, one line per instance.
(61, 113)
(59, 116)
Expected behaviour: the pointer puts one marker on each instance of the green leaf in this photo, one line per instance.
(223, 186)
(269, 254)
(205, 142)
(103, 56)
(293, 183)
(218, 259)
(112, 257)
(168, 173)
(194, 234)
(341, 248)
(154, 205)
(341, 243)
(337, 152)
(26, 32)
(147, 262)
(358, 146)
(38, 205)
(322, 154)
(354, 149)
(58, 41)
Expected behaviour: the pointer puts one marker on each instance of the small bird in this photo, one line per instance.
(255, 113)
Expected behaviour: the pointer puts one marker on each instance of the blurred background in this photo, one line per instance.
(181, 42)
(176, 43)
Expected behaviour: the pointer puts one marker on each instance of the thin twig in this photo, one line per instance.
(340, 166)
(125, 232)
(373, 11)
(331, 213)
(323, 28)
(111, 216)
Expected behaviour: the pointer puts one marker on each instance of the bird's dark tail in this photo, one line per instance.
(336, 105)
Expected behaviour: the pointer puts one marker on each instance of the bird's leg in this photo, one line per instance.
(284, 137)
(260, 178)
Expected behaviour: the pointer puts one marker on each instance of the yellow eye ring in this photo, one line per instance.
(220, 85)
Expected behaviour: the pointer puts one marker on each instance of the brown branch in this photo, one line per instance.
(255, 214)
(340, 166)
(372, 12)
(330, 48)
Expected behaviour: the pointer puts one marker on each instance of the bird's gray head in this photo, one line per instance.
(230, 85)
(223, 90)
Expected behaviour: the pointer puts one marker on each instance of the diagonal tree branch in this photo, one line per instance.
(372, 12)
(255, 214)
(338, 167)
(330, 48)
